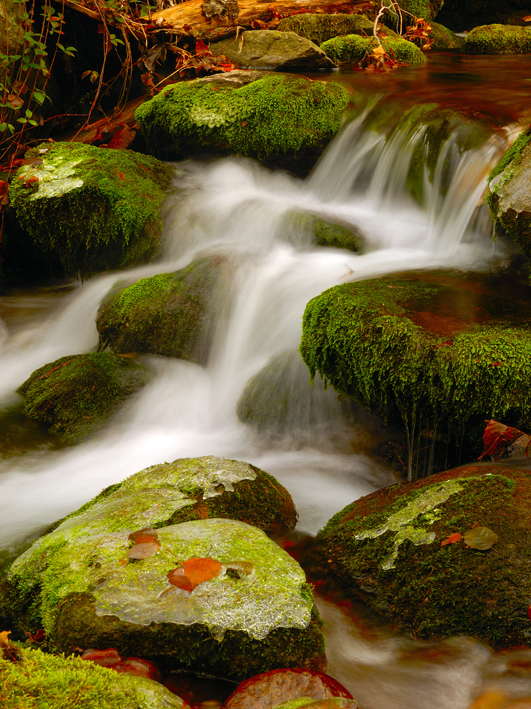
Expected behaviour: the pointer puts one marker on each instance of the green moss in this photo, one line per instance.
(170, 314)
(353, 48)
(514, 151)
(270, 116)
(498, 39)
(42, 681)
(77, 394)
(433, 590)
(318, 28)
(426, 9)
(95, 209)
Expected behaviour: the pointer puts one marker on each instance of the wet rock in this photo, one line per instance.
(171, 314)
(427, 9)
(509, 197)
(352, 48)
(85, 592)
(272, 50)
(234, 114)
(93, 208)
(320, 27)
(323, 232)
(444, 38)
(76, 395)
(72, 682)
(498, 39)
(387, 548)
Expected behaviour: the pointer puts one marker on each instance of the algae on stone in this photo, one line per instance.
(498, 39)
(353, 48)
(77, 394)
(95, 209)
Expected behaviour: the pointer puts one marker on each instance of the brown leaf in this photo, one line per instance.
(4, 638)
(193, 572)
(146, 531)
(144, 550)
(15, 101)
(123, 137)
(480, 538)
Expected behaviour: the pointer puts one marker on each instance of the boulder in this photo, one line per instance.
(509, 196)
(444, 38)
(413, 553)
(323, 232)
(76, 395)
(171, 314)
(214, 596)
(267, 116)
(272, 50)
(498, 39)
(320, 27)
(94, 208)
(44, 680)
(352, 48)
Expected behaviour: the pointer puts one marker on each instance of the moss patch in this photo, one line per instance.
(353, 48)
(77, 394)
(498, 39)
(318, 28)
(171, 314)
(270, 116)
(444, 38)
(429, 589)
(41, 681)
(95, 209)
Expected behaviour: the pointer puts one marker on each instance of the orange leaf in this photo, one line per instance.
(452, 538)
(193, 572)
(201, 48)
(527, 18)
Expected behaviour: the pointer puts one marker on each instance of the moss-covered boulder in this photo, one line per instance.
(280, 397)
(427, 9)
(302, 228)
(259, 115)
(436, 350)
(498, 39)
(96, 209)
(352, 48)
(320, 27)
(444, 38)
(251, 612)
(394, 549)
(40, 680)
(76, 395)
(509, 196)
(171, 314)
(272, 50)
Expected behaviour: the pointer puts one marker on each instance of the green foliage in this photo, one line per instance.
(270, 116)
(353, 48)
(498, 39)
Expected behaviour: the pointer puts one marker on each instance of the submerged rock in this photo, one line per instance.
(235, 114)
(76, 395)
(498, 39)
(171, 314)
(320, 27)
(96, 209)
(353, 48)
(273, 50)
(398, 550)
(44, 680)
(255, 614)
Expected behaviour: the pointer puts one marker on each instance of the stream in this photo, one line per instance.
(235, 208)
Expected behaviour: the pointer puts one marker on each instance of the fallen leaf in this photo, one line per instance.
(481, 538)
(146, 531)
(193, 572)
(498, 439)
(527, 18)
(123, 137)
(104, 658)
(4, 638)
(143, 550)
(452, 538)
(138, 667)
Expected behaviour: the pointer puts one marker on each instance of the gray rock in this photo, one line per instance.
(270, 49)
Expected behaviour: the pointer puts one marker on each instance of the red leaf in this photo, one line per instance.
(193, 572)
(452, 538)
(123, 137)
(498, 438)
(105, 658)
(139, 667)
(527, 18)
(201, 48)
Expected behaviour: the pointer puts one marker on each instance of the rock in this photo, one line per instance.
(76, 395)
(272, 50)
(394, 549)
(320, 27)
(256, 614)
(280, 397)
(71, 682)
(436, 350)
(95, 208)
(352, 48)
(186, 490)
(322, 231)
(235, 113)
(427, 9)
(498, 39)
(509, 196)
(171, 314)
(444, 38)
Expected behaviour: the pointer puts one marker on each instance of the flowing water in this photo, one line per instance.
(237, 209)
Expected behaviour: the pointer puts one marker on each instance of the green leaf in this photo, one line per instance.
(39, 97)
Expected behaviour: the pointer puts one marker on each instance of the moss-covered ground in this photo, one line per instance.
(498, 39)
(96, 209)
(352, 48)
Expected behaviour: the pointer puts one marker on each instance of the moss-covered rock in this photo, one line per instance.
(41, 680)
(95, 209)
(256, 614)
(498, 39)
(387, 548)
(272, 50)
(436, 348)
(77, 394)
(427, 9)
(509, 196)
(320, 27)
(264, 116)
(352, 48)
(300, 227)
(171, 314)
(444, 38)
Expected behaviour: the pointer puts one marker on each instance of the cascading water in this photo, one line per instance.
(237, 209)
